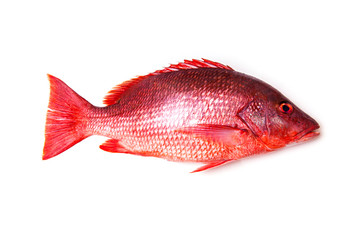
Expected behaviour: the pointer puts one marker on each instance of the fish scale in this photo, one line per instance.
(171, 144)
(198, 110)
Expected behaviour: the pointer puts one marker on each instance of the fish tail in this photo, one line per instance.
(65, 120)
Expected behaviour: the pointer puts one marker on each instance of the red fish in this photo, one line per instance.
(198, 110)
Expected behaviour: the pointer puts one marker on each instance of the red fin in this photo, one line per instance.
(216, 133)
(210, 165)
(114, 95)
(187, 64)
(63, 121)
(113, 145)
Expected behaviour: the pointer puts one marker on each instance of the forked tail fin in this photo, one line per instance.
(65, 125)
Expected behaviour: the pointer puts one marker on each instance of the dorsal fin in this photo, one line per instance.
(191, 64)
(114, 94)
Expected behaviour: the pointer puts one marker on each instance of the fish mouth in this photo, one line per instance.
(308, 134)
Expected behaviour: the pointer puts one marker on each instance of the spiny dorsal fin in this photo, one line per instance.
(187, 64)
(114, 95)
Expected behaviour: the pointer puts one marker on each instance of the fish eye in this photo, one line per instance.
(286, 108)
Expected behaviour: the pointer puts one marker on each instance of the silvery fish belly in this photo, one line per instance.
(196, 110)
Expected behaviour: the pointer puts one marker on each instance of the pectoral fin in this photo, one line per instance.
(217, 133)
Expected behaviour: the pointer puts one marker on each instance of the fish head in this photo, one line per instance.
(275, 120)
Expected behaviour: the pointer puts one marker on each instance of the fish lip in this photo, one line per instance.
(307, 134)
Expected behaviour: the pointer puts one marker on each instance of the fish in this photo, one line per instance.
(194, 111)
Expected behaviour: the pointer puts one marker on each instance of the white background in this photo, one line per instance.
(309, 50)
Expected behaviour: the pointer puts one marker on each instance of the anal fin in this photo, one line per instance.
(113, 145)
(210, 165)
